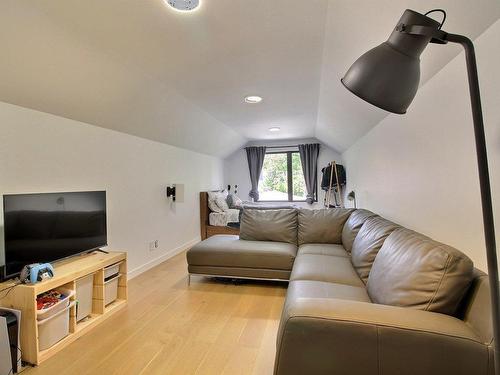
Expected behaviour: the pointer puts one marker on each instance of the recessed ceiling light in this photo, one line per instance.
(275, 129)
(253, 99)
(183, 5)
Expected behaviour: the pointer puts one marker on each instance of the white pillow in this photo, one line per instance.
(221, 202)
(213, 196)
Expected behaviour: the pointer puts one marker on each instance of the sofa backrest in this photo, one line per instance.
(475, 308)
(322, 226)
(269, 225)
(412, 270)
(353, 225)
(368, 242)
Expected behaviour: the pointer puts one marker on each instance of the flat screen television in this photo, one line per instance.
(51, 226)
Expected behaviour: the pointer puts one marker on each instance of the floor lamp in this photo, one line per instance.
(388, 75)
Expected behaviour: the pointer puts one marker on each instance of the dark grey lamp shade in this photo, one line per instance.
(388, 75)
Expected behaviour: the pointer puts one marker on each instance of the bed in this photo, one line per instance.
(210, 225)
(206, 229)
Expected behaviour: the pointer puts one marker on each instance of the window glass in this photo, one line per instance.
(298, 182)
(273, 184)
(282, 178)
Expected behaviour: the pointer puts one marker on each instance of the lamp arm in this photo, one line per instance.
(484, 183)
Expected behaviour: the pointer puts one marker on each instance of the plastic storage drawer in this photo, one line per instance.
(54, 328)
(52, 310)
(111, 290)
(84, 294)
(112, 270)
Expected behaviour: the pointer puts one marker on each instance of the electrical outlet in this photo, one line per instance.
(152, 245)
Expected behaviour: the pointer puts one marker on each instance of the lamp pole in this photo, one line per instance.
(387, 76)
(484, 183)
(482, 164)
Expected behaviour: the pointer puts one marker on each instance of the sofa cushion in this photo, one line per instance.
(230, 251)
(322, 226)
(323, 249)
(327, 268)
(412, 270)
(368, 242)
(321, 289)
(353, 225)
(269, 225)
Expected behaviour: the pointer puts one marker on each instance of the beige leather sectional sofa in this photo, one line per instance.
(365, 296)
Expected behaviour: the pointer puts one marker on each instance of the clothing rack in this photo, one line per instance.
(333, 188)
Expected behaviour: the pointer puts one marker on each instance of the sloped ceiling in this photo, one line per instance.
(138, 67)
(354, 27)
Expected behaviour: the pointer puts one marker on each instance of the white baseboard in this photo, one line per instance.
(162, 258)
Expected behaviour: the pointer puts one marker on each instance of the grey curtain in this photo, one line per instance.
(255, 157)
(309, 159)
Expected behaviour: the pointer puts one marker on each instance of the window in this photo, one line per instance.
(282, 178)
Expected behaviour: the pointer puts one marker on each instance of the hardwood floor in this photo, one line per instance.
(209, 327)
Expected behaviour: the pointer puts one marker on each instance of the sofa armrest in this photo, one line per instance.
(333, 336)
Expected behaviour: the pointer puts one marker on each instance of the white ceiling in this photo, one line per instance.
(138, 67)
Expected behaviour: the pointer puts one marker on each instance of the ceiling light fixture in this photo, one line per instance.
(183, 5)
(253, 99)
(275, 129)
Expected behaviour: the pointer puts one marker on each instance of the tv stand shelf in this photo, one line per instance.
(23, 297)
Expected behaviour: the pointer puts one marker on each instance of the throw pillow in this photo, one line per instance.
(212, 197)
(234, 201)
(220, 201)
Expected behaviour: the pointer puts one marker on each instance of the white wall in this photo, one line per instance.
(420, 169)
(236, 166)
(40, 152)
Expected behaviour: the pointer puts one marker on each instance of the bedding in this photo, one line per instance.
(224, 218)
(226, 208)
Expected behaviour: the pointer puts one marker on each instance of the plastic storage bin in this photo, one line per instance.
(84, 294)
(111, 289)
(112, 270)
(54, 328)
(61, 305)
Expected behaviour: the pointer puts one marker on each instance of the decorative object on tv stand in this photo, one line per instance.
(388, 77)
(36, 272)
(352, 197)
(176, 192)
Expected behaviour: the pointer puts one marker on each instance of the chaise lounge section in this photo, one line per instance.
(365, 295)
(265, 249)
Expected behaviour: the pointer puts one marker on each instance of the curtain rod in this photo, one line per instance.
(284, 146)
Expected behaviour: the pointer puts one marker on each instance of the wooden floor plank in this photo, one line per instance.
(168, 327)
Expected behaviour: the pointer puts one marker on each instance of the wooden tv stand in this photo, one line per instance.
(23, 297)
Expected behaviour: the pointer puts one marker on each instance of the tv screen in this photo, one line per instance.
(50, 226)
